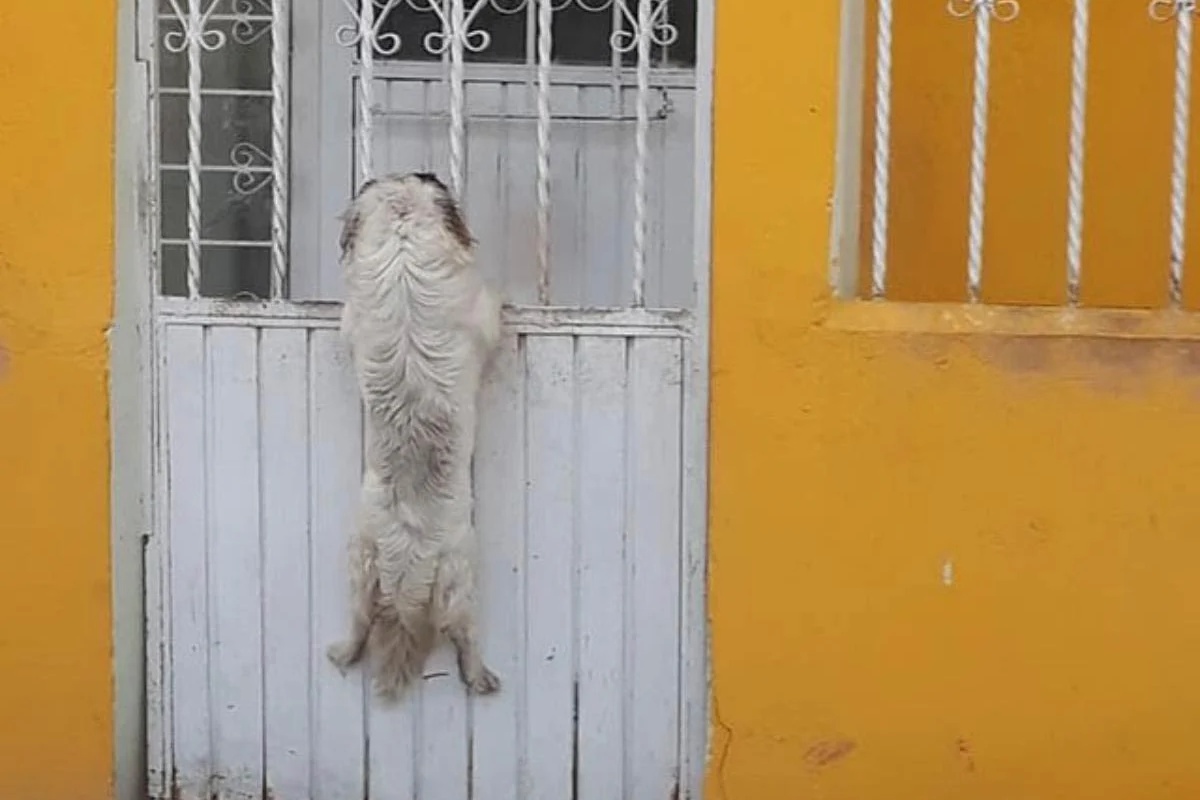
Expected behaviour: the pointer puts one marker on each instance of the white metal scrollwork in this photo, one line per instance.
(1000, 10)
(244, 29)
(251, 169)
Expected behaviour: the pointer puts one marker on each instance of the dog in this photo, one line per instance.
(421, 325)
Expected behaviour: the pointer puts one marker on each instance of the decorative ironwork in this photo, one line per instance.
(252, 168)
(999, 10)
(1163, 10)
(246, 29)
(193, 27)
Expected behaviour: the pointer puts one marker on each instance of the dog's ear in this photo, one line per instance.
(351, 222)
(453, 218)
(352, 219)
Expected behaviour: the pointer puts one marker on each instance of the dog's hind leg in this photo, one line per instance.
(365, 592)
(454, 613)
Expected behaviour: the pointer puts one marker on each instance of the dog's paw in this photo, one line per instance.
(343, 655)
(486, 682)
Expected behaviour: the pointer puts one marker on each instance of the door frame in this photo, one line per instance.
(135, 550)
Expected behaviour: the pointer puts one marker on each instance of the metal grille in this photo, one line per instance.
(223, 101)
(637, 27)
(981, 19)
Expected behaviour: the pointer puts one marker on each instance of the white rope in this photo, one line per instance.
(280, 50)
(642, 134)
(195, 25)
(366, 90)
(979, 122)
(1079, 61)
(1179, 160)
(883, 121)
(544, 41)
(457, 95)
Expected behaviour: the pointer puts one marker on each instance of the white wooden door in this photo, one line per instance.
(589, 470)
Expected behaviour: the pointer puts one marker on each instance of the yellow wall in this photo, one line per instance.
(850, 465)
(56, 269)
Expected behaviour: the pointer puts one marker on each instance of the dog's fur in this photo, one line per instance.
(421, 326)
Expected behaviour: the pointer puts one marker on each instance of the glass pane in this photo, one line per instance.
(583, 35)
(226, 122)
(243, 272)
(233, 206)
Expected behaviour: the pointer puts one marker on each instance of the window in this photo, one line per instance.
(1005, 152)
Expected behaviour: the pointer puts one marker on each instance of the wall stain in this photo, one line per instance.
(965, 753)
(828, 751)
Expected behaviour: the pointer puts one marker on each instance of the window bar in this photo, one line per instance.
(545, 25)
(195, 38)
(883, 121)
(1079, 61)
(280, 86)
(983, 11)
(457, 36)
(643, 33)
(366, 90)
(1181, 11)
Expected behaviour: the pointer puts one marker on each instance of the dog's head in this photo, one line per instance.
(417, 204)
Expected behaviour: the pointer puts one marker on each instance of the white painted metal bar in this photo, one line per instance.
(643, 34)
(366, 89)
(983, 12)
(545, 36)
(1079, 62)
(280, 134)
(457, 33)
(1181, 11)
(883, 122)
(194, 28)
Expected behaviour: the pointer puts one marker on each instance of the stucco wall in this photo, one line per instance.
(943, 565)
(56, 259)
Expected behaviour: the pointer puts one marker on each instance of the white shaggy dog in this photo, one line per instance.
(421, 326)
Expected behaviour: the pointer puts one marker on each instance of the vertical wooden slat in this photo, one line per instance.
(653, 570)
(235, 562)
(520, 212)
(391, 769)
(601, 201)
(443, 740)
(485, 190)
(187, 400)
(287, 643)
(335, 455)
(500, 523)
(567, 196)
(437, 128)
(550, 453)
(602, 460)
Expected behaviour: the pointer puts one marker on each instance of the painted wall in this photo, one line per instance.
(56, 268)
(943, 565)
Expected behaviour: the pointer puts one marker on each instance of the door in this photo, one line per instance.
(590, 463)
